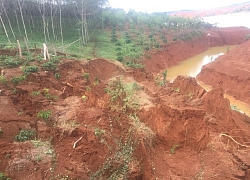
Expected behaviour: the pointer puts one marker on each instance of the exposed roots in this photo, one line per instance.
(222, 134)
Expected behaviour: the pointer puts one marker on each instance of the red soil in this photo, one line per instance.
(196, 135)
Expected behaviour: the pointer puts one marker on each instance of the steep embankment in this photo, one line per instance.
(175, 52)
(231, 72)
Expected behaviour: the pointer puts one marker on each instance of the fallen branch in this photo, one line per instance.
(74, 146)
(234, 140)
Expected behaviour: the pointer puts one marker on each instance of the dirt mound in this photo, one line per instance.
(231, 72)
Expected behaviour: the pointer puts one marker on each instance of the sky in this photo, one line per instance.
(170, 5)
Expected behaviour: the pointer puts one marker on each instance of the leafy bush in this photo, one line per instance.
(12, 62)
(86, 76)
(120, 58)
(30, 69)
(3, 176)
(3, 80)
(35, 93)
(49, 66)
(44, 114)
(17, 79)
(122, 96)
(25, 135)
(57, 75)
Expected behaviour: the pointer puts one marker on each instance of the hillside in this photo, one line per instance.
(100, 106)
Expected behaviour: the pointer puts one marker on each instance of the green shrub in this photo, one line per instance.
(3, 80)
(35, 93)
(44, 114)
(30, 69)
(120, 58)
(57, 75)
(49, 66)
(17, 79)
(12, 62)
(86, 76)
(25, 135)
(3, 176)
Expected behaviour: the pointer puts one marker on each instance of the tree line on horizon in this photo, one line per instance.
(56, 19)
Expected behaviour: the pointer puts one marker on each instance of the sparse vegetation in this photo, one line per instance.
(84, 98)
(174, 148)
(99, 132)
(35, 93)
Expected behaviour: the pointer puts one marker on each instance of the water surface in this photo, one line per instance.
(192, 66)
(230, 20)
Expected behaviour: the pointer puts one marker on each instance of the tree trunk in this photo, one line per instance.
(6, 33)
(8, 21)
(18, 23)
(21, 12)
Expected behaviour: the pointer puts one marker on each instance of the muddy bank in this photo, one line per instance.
(175, 52)
(230, 72)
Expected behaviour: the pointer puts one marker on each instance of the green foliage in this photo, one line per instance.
(35, 93)
(30, 69)
(177, 90)
(84, 98)
(3, 80)
(99, 132)
(3, 176)
(135, 65)
(17, 79)
(25, 135)
(49, 66)
(44, 114)
(122, 95)
(57, 75)
(117, 166)
(12, 62)
(86, 76)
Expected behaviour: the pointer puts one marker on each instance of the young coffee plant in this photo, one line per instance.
(122, 95)
(30, 69)
(44, 114)
(25, 135)
(3, 80)
(3, 176)
(17, 79)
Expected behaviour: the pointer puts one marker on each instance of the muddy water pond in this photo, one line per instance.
(192, 67)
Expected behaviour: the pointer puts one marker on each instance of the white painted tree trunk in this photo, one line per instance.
(45, 52)
(20, 50)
